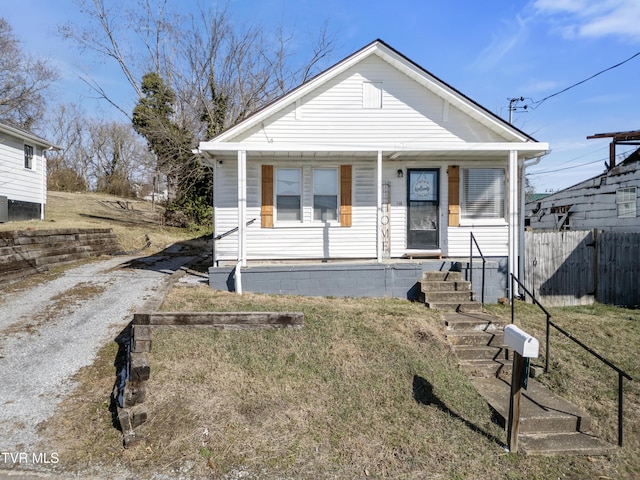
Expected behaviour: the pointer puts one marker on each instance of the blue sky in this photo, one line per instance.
(490, 50)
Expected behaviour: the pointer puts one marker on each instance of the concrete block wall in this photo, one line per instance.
(398, 280)
(25, 252)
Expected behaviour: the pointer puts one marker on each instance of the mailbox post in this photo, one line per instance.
(524, 346)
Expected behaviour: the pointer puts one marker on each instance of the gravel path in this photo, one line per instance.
(47, 333)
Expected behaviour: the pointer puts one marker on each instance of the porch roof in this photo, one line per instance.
(211, 151)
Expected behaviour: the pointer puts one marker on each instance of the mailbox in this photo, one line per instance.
(521, 342)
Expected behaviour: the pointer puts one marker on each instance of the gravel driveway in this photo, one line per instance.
(48, 332)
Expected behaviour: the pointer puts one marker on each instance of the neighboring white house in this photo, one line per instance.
(23, 174)
(374, 158)
(608, 202)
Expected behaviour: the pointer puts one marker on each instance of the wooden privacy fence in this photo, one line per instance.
(580, 267)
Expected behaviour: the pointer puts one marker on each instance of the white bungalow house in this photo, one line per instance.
(374, 159)
(23, 174)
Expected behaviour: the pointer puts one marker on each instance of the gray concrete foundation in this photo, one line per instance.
(356, 279)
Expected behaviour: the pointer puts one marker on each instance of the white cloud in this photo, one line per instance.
(593, 18)
(501, 44)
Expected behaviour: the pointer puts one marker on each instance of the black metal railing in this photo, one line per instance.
(621, 373)
(473, 242)
(233, 230)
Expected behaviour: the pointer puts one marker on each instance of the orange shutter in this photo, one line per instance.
(454, 195)
(266, 211)
(345, 195)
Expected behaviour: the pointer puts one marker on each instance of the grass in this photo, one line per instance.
(367, 389)
(94, 210)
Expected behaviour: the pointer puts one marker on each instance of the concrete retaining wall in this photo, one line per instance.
(25, 252)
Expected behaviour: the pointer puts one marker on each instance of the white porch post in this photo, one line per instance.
(379, 208)
(514, 214)
(242, 207)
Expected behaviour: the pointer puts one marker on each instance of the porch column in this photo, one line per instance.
(242, 207)
(514, 213)
(379, 208)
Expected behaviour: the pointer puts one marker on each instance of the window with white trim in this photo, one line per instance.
(483, 192)
(626, 202)
(28, 156)
(325, 194)
(288, 190)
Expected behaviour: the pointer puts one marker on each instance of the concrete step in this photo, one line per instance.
(449, 296)
(484, 338)
(473, 321)
(549, 424)
(439, 276)
(498, 368)
(574, 443)
(541, 411)
(476, 352)
(444, 286)
(455, 306)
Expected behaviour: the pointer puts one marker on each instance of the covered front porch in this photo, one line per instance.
(379, 233)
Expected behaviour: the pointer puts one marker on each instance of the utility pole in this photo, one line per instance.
(513, 106)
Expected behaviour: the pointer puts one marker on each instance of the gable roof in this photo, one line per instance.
(403, 64)
(24, 134)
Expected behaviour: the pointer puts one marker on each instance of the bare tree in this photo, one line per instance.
(24, 80)
(195, 53)
(218, 71)
(121, 160)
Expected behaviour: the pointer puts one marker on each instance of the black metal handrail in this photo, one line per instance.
(621, 373)
(484, 263)
(233, 230)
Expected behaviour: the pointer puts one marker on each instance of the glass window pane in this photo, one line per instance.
(483, 193)
(325, 181)
(325, 207)
(288, 181)
(288, 208)
(626, 200)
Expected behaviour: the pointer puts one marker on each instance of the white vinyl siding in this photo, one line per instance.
(483, 193)
(626, 201)
(493, 240)
(296, 240)
(16, 181)
(334, 114)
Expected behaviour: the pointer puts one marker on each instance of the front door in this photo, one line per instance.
(422, 209)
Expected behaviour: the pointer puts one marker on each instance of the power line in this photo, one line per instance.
(544, 172)
(536, 104)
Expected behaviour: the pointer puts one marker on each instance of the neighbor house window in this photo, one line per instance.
(28, 157)
(372, 94)
(325, 194)
(626, 201)
(482, 193)
(288, 194)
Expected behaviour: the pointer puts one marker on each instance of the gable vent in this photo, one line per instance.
(372, 94)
